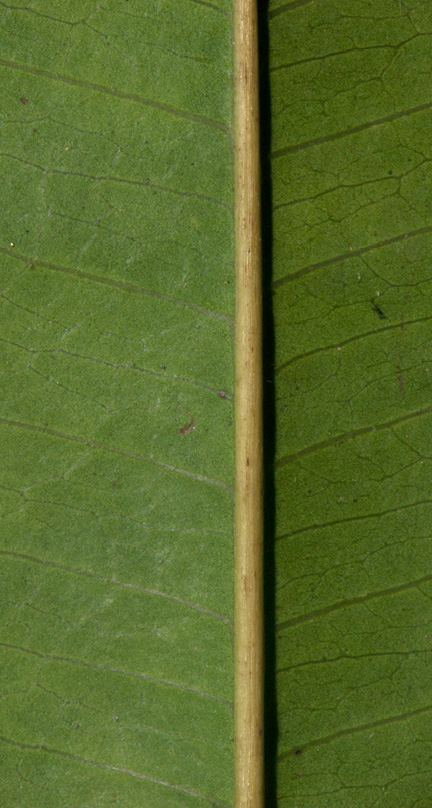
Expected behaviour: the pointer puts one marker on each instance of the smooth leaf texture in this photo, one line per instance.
(117, 447)
(351, 116)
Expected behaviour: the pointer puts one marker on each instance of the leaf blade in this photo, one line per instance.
(353, 391)
(117, 254)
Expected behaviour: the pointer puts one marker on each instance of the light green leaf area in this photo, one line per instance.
(116, 445)
(352, 115)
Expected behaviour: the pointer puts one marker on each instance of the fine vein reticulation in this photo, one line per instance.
(116, 411)
(352, 312)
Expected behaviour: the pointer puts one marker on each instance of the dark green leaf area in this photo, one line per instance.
(352, 227)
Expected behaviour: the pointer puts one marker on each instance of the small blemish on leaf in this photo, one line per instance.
(379, 312)
(188, 428)
(24, 100)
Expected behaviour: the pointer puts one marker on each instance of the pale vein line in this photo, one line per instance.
(112, 581)
(333, 54)
(345, 604)
(134, 368)
(307, 144)
(354, 658)
(109, 669)
(355, 730)
(351, 254)
(353, 433)
(110, 767)
(348, 519)
(83, 21)
(337, 345)
(288, 7)
(118, 94)
(121, 180)
(106, 447)
(71, 23)
(212, 6)
(354, 49)
(328, 191)
(128, 287)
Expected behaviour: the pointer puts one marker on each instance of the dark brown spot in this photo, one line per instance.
(24, 100)
(298, 752)
(188, 428)
(247, 461)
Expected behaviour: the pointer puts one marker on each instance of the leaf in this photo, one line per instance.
(117, 443)
(351, 116)
(116, 417)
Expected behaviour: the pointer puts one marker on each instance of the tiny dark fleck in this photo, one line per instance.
(163, 367)
(247, 461)
(390, 172)
(380, 313)
(298, 752)
(24, 100)
(221, 394)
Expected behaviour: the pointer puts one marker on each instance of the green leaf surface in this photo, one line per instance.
(351, 116)
(117, 447)
(116, 255)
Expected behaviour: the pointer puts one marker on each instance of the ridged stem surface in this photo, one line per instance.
(249, 724)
